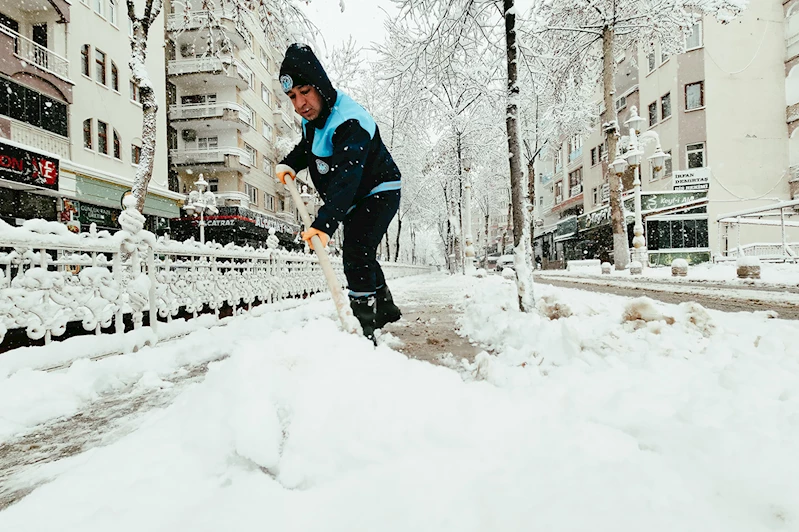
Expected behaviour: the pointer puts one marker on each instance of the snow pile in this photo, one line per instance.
(578, 423)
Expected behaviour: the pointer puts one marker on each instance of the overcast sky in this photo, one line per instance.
(363, 19)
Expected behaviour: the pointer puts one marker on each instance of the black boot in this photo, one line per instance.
(387, 311)
(364, 309)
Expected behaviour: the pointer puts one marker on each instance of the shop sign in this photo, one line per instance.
(102, 216)
(693, 179)
(30, 168)
(566, 228)
(594, 219)
(656, 202)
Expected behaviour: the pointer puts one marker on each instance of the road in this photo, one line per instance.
(714, 296)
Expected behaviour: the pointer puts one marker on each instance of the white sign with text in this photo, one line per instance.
(693, 179)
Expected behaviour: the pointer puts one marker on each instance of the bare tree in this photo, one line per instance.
(581, 39)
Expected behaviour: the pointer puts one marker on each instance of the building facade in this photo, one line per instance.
(725, 111)
(70, 122)
(226, 111)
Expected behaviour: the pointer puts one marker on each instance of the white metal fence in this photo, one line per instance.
(50, 277)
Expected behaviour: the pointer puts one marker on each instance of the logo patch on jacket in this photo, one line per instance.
(286, 82)
(322, 167)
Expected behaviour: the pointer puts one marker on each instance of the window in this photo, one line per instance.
(98, 7)
(249, 115)
(102, 137)
(667, 166)
(621, 103)
(114, 77)
(32, 107)
(265, 60)
(84, 59)
(87, 133)
(653, 114)
(651, 61)
(594, 159)
(134, 92)
(600, 151)
(252, 155)
(252, 192)
(117, 149)
(696, 155)
(694, 95)
(595, 195)
(266, 95)
(665, 107)
(677, 234)
(99, 66)
(269, 167)
(694, 40)
(267, 130)
(269, 201)
(559, 192)
(557, 160)
(541, 201)
(112, 12)
(575, 182)
(198, 99)
(207, 143)
(663, 57)
(135, 154)
(213, 185)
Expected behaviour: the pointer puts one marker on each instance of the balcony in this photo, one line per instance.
(197, 69)
(231, 157)
(233, 199)
(218, 18)
(39, 138)
(33, 59)
(283, 122)
(217, 114)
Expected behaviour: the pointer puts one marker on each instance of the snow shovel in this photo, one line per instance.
(348, 321)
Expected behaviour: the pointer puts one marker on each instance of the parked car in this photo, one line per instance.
(490, 263)
(503, 262)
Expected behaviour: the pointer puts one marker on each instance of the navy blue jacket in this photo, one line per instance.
(347, 161)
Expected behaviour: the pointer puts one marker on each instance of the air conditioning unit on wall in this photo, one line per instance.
(189, 135)
(186, 50)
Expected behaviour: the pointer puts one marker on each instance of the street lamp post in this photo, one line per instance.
(633, 157)
(200, 201)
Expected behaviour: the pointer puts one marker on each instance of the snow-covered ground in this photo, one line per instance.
(771, 273)
(615, 414)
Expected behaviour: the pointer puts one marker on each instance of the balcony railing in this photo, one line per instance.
(38, 138)
(576, 190)
(38, 55)
(208, 110)
(208, 155)
(575, 154)
(201, 19)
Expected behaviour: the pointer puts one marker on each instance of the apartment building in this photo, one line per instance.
(226, 110)
(719, 110)
(70, 122)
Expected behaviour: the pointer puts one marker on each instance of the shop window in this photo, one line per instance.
(117, 148)
(677, 234)
(87, 133)
(84, 59)
(102, 137)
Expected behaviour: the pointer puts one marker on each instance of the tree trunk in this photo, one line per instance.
(533, 204)
(397, 244)
(141, 30)
(522, 262)
(621, 252)
(388, 247)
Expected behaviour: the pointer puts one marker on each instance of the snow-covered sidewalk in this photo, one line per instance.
(612, 415)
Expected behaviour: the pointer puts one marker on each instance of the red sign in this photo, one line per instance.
(30, 168)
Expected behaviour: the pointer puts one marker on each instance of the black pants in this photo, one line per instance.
(364, 226)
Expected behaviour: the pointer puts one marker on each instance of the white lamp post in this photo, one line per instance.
(200, 201)
(633, 157)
